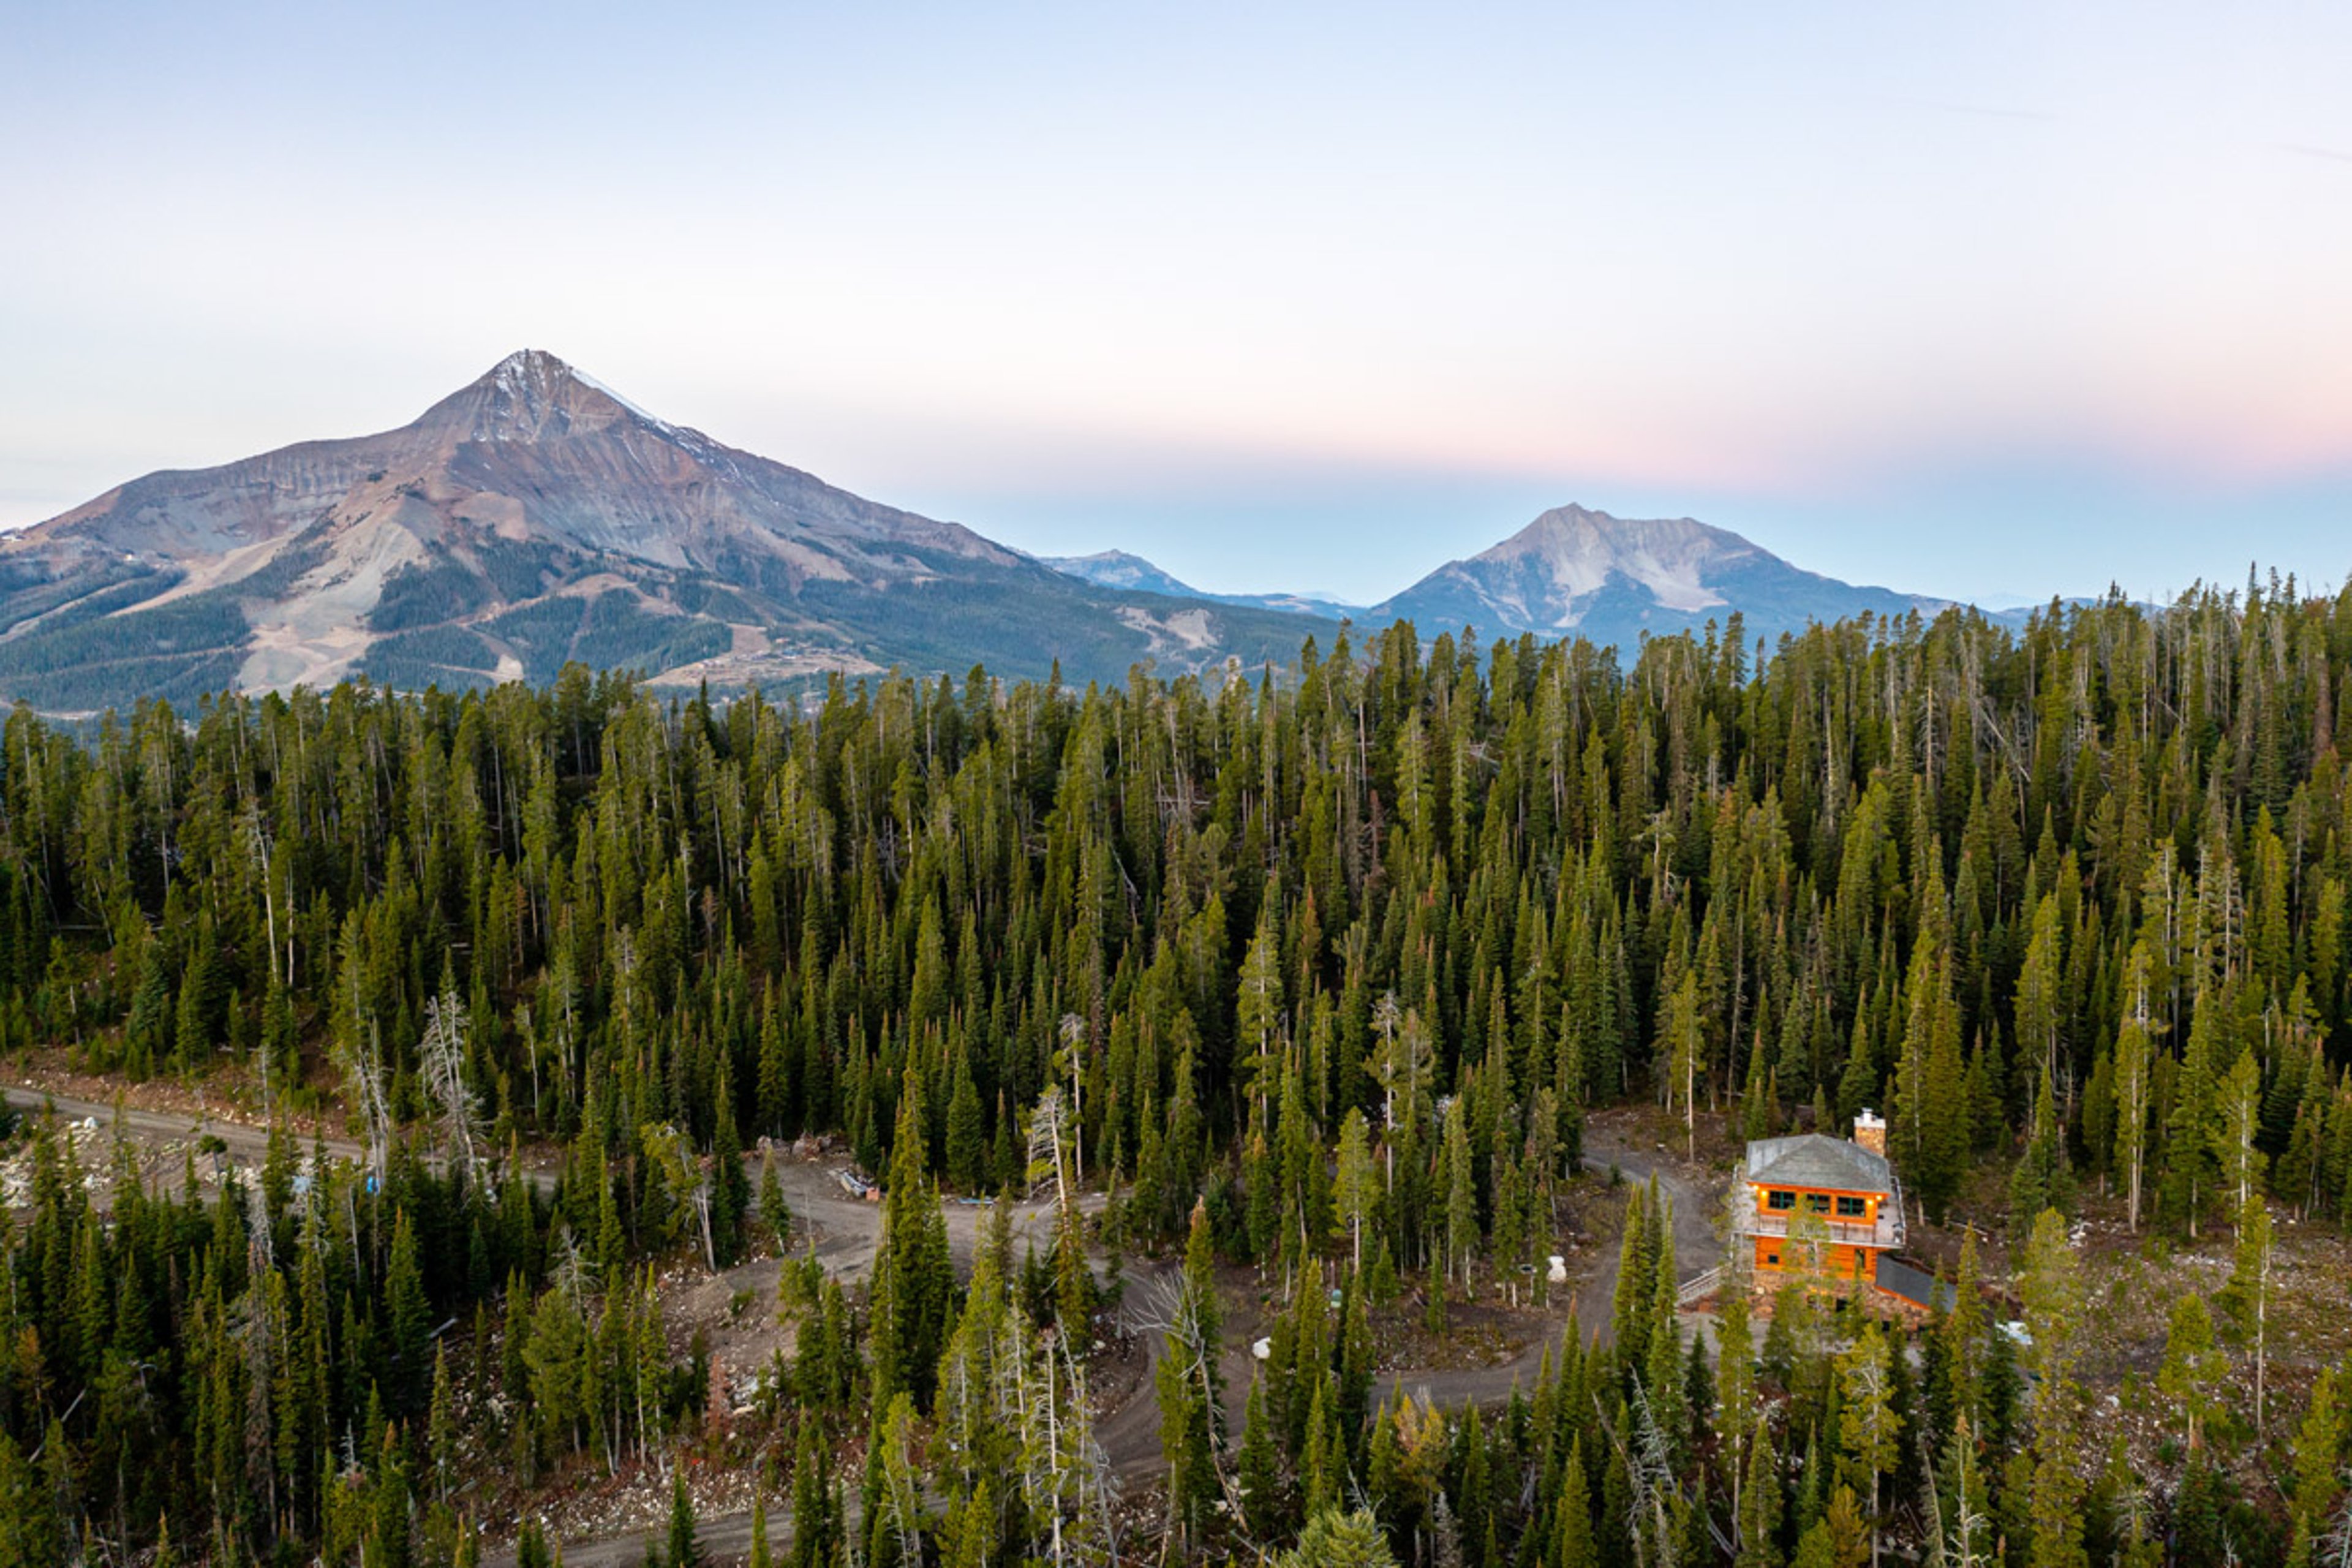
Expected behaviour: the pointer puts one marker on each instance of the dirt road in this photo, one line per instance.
(247, 1142)
(1698, 1247)
(243, 1139)
(1698, 1234)
(847, 1230)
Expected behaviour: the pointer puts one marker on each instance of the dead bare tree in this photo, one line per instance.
(443, 1056)
(1065, 1475)
(2335, 1548)
(1045, 1123)
(363, 1069)
(1167, 1309)
(1656, 1490)
(572, 1269)
(1074, 1051)
(688, 1175)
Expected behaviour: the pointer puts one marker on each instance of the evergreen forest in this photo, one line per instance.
(1295, 995)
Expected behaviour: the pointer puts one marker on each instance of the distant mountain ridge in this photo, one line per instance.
(1132, 574)
(533, 516)
(1575, 572)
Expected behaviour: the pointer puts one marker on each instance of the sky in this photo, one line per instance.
(1993, 301)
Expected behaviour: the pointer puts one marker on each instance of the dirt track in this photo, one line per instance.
(247, 1144)
(244, 1139)
(1698, 1247)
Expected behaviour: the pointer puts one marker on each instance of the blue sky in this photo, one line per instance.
(2002, 302)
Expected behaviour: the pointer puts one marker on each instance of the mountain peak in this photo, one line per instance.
(529, 395)
(531, 518)
(1575, 569)
(527, 368)
(1574, 551)
(1582, 527)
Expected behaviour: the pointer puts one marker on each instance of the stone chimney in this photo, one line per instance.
(1870, 1131)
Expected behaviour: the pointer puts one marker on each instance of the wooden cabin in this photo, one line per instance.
(1826, 1206)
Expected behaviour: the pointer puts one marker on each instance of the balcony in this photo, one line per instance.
(1887, 1232)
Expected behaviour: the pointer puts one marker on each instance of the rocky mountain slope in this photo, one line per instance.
(530, 518)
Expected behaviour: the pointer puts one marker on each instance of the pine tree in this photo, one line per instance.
(2042, 1179)
(2245, 1300)
(1257, 1473)
(967, 1138)
(1356, 1189)
(1257, 1020)
(441, 1427)
(1323, 1465)
(2190, 1172)
(2056, 1513)
(2051, 1286)
(29, 1528)
(1630, 1293)
(411, 1320)
(1950, 1132)
(1572, 1542)
(387, 1538)
(1189, 1386)
(912, 1275)
(684, 1550)
(775, 1081)
(2192, 1365)
(1760, 1503)
(1681, 1029)
(817, 1524)
(2237, 1123)
(773, 1215)
(1336, 1540)
(973, 1524)
(2134, 1079)
(1869, 1425)
(1963, 1525)
(731, 1194)
(2317, 1477)
(1460, 1195)
(1838, 1539)
(1661, 1374)
(1960, 1364)
(1737, 1408)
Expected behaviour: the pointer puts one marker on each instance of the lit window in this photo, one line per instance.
(1777, 1199)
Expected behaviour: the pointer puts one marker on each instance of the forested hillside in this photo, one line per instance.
(1320, 970)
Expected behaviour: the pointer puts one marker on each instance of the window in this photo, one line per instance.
(1851, 1208)
(1817, 1203)
(1777, 1199)
(1771, 1260)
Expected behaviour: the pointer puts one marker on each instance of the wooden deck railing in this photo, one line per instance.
(1887, 1232)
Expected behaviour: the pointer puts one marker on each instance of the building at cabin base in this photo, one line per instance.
(1831, 1210)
